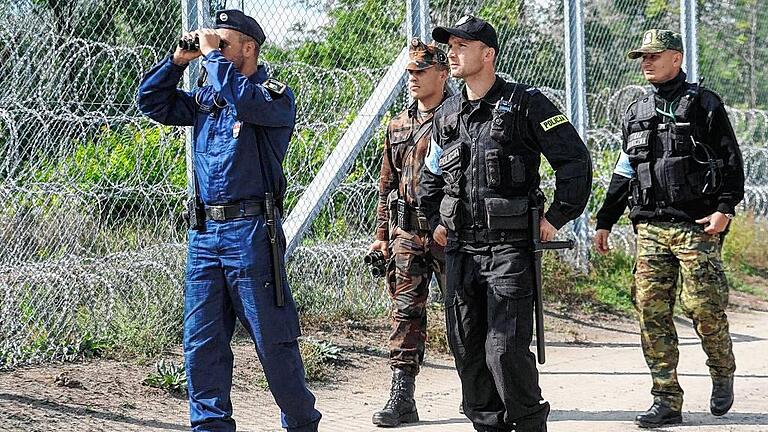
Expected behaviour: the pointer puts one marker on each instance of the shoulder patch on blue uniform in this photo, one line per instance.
(432, 160)
(533, 91)
(274, 86)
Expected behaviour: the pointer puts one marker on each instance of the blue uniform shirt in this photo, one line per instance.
(241, 129)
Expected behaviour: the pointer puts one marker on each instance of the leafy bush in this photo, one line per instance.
(169, 377)
(319, 357)
(129, 169)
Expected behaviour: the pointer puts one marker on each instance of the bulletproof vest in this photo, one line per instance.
(672, 163)
(409, 143)
(490, 173)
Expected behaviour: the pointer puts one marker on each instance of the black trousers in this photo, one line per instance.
(489, 316)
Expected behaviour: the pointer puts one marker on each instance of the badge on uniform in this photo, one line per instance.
(274, 86)
(236, 129)
(553, 121)
(504, 106)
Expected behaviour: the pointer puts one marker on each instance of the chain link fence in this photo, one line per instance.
(92, 245)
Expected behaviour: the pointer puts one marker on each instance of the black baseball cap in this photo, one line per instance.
(236, 20)
(470, 28)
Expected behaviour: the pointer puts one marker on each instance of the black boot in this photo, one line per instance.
(722, 395)
(400, 408)
(658, 414)
(539, 428)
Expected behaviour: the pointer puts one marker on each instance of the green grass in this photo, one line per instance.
(610, 281)
(606, 286)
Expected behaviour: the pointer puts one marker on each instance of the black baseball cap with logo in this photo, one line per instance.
(236, 20)
(470, 28)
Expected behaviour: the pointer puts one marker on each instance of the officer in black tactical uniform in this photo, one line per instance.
(481, 176)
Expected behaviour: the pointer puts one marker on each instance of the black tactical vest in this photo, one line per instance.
(490, 173)
(666, 145)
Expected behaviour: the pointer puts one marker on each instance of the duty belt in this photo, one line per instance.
(488, 236)
(239, 210)
(410, 218)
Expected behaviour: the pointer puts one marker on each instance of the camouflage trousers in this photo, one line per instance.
(672, 254)
(416, 259)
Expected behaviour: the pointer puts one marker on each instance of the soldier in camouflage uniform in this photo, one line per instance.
(403, 229)
(681, 172)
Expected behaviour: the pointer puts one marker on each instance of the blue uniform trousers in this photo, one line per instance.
(229, 275)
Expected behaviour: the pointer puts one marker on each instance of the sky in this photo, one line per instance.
(277, 17)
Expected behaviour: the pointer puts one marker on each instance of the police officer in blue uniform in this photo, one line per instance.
(243, 121)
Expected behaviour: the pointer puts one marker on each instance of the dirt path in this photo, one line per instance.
(595, 379)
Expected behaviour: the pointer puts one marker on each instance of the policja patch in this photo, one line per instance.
(553, 121)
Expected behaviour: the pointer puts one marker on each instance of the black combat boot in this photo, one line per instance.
(657, 415)
(722, 395)
(538, 428)
(401, 407)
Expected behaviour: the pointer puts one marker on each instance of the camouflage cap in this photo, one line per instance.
(656, 41)
(423, 56)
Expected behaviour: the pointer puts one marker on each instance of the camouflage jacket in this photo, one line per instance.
(401, 165)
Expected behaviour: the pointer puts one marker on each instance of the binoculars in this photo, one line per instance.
(377, 262)
(194, 45)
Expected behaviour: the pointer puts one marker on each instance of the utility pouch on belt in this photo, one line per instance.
(451, 212)
(194, 214)
(403, 221)
(506, 214)
(392, 210)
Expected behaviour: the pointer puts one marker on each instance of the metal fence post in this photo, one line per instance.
(336, 165)
(417, 20)
(688, 31)
(362, 128)
(189, 22)
(576, 105)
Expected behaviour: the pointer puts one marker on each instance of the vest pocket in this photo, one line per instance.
(498, 168)
(506, 214)
(493, 167)
(638, 145)
(450, 212)
(673, 174)
(517, 169)
(450, 164)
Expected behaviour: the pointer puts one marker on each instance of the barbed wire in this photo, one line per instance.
(92, 245)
